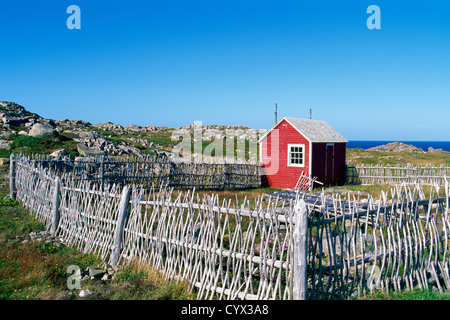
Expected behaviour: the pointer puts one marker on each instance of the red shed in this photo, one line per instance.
(294, 145)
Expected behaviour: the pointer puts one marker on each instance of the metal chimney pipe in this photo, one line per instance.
(275, 113)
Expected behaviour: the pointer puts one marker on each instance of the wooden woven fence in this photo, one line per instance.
(334, 248)
(402, 244)
(222, 249)
(158, 170)
(382, 174)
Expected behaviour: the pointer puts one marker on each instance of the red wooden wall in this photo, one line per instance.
(275, 160)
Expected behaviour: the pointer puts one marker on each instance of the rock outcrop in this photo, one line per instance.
(16, 120)
(431, 150)
(42, 130)
(14, 115)
(396, 147)
(105, 138)
(92, 143)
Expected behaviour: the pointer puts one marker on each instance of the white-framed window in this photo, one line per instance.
(296, 155)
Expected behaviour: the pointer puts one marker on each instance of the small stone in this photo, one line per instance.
(105, 277)
(110, 269)
(85, 293)
(95, 273)
(59, 153)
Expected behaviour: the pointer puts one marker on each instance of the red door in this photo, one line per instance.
(330, 164)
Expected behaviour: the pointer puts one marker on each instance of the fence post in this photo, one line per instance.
(102, 170)
(55, 204)
(172, 171)
(226, 176)
(123, 213)
(12, 177)
(299, 288)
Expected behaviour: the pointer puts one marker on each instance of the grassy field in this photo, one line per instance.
(38, 271)
(361, 156)
(39, 145)
(408, 295)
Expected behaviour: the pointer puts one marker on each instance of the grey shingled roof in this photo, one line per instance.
(316, 130)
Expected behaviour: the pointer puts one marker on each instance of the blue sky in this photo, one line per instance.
(173, 62)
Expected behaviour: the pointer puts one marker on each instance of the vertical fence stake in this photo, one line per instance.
(55, 205)
(123, 213)
(102, 170)
(299, 289)
(12, 177)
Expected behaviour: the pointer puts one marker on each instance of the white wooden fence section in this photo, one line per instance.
(256, 251)
(385, 174)
(222, 249)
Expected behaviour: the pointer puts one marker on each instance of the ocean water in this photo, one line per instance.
(424, 145)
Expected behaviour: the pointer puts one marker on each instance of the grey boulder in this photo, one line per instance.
(42, 130)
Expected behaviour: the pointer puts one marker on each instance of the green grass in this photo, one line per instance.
(40, 145)
(38, 271)
(374, 190)
(360, 156)
(31, 270)
(104, 132)
(162, 138)
(136, 281)
(407, 295)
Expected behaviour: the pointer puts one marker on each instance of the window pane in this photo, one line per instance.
(296, 155)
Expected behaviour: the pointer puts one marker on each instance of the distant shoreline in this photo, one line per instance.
(424, 145)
